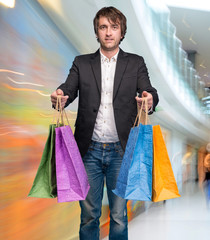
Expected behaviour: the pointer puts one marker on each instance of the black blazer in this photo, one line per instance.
(131, 76)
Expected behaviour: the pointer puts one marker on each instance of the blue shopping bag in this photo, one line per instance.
(135, 177)
(126, 162)
(139, 183)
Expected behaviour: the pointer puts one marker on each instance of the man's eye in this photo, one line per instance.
(102, 27)
(115, 27)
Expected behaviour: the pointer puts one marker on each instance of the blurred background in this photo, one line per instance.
(38, 42)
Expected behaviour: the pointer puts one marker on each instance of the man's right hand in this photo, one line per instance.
(54, 96)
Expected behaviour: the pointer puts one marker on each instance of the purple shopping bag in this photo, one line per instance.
(72, 180)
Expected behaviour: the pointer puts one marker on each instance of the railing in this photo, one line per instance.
(185, 78)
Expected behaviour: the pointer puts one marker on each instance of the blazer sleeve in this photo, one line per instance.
(71, 85)
(144, 83)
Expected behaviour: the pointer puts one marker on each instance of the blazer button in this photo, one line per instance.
(94, 110)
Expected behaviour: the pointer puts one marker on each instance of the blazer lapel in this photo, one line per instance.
(96, 67)
(120, 69)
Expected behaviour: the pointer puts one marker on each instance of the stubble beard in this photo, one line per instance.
(107, 48)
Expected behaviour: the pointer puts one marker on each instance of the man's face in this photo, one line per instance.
(109, 34)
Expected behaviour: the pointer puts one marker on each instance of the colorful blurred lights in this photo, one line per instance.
(8, 3)
(9, 71)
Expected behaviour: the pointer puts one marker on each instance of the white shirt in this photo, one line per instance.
(105, 128)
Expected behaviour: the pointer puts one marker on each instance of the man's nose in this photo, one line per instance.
(108, 31)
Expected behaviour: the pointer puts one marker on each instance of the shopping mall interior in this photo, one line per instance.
(39, 41)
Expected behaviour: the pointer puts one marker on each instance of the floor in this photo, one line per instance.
(187, 217)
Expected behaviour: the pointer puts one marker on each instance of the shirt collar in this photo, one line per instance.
(105, 59)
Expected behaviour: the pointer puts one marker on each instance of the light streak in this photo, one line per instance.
(27, 83)
(9, 126)
(9, 71)
(6, 133)
(202, 65)
(185, 23)
(19, 89)
(25, 89)
(45, 95)
(192, 40)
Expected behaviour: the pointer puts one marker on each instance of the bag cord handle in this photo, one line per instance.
(140, 113)
(60, 113)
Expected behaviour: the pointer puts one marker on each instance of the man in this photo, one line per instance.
(108, 82)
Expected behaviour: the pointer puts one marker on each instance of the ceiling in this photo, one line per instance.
(193, 29)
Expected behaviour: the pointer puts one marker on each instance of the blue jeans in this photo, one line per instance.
(103, 161)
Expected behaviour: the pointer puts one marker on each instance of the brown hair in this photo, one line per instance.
(114, 15)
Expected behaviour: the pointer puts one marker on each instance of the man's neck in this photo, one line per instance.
(109, 54)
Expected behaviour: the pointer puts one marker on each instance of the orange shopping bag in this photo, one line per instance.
(163, 181)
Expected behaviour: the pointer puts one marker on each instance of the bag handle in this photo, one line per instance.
(56, 115)
(59, 114)
(140, 113)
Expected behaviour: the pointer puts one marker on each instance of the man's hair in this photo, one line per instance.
(113, 15)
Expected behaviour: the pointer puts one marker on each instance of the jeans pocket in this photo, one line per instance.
(91, 147)
(119, 150)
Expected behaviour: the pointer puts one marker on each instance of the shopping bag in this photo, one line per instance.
(135, 178)
(208, 189)
(139, 185)
(72, 180)
(164, 184)
(44, 185)
(121, 184)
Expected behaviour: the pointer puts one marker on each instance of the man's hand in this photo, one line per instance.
(149, 100)
(54, 96)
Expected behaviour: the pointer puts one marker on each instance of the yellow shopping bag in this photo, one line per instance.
(163, 181)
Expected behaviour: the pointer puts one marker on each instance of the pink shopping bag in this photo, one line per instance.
(72, 180)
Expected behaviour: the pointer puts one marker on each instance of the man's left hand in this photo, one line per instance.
(149, 100)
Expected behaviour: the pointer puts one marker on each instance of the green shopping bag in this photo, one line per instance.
(44, 185)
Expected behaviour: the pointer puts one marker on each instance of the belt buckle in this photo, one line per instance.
(105, 145)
